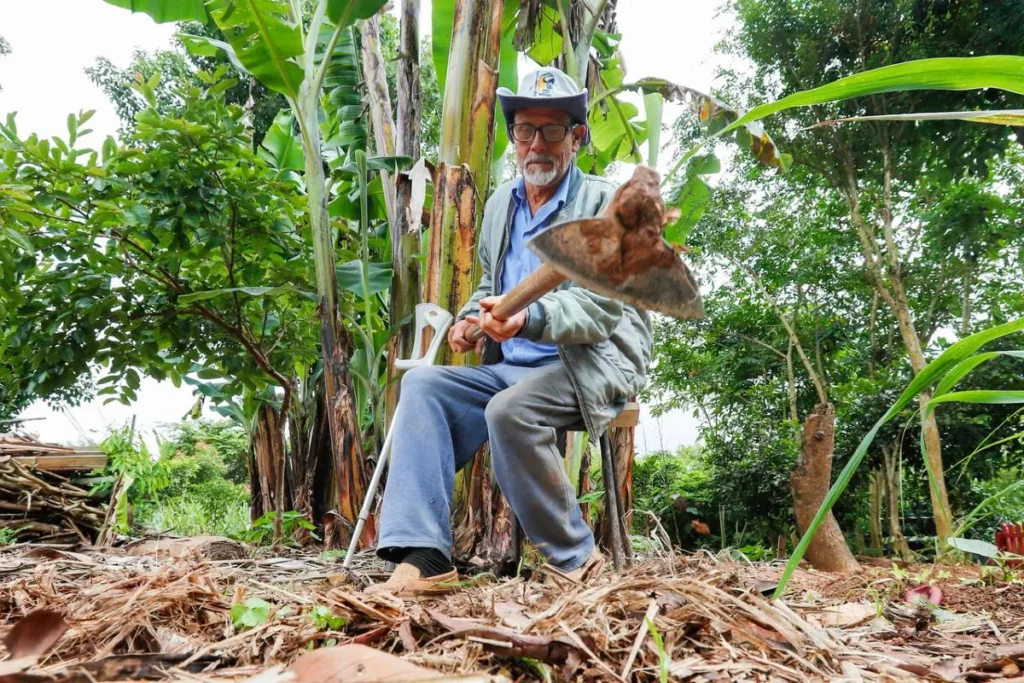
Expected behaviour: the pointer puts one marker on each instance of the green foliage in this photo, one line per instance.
(664, 661)
(187, 489)
(177, 70)
(1001, 499)
(207, 492)
(9, 536)
(676, 487)
(221, 445)
(334, 554)
(324, 619)
(166, 10)
(162, 247)
(251, 613)
(950, 362)
(196, 514)
(127, 455)
(786, 257)
(261, 531)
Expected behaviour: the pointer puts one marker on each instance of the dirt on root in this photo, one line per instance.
(688, 618)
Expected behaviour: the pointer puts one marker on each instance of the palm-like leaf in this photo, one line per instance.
(346, 12)
(267, 40)
(166, 10)
(1005, 72)
(344, 123)
(955, 362)
(999, 117)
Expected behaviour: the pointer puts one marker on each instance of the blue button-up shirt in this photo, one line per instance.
(520, 261)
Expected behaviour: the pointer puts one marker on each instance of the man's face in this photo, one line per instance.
(544, 163)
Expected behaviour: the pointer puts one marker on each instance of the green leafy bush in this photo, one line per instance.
(191, 488)
(676, 487)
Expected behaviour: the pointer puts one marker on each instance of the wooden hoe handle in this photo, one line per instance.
(537, 284)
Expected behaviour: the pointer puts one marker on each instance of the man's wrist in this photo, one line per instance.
(533, 326)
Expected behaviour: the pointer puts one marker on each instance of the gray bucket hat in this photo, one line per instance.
(546, 88)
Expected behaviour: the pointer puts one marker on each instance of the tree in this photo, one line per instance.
(298, 59)
(179, 256)
(777, 257)
(875, 168)
(176, 70)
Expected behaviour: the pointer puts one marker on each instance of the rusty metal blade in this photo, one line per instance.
(572, 249)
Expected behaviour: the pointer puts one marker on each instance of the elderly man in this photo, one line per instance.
(572, 358)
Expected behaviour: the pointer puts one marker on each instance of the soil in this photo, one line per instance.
(635, 218)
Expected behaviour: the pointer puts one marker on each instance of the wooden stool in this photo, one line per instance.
(614, 508)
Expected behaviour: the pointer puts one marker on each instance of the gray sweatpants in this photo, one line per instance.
(445, 415)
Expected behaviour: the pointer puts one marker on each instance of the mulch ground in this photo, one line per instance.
(110, 615)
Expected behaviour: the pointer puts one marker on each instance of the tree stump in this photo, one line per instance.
(810, 482)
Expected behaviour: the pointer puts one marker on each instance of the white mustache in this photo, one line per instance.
(540, 158)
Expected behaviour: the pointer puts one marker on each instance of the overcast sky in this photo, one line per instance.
(44, 80)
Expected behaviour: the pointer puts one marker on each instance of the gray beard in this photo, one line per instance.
(540, 178)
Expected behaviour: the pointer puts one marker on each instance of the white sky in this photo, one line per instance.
(44, 80)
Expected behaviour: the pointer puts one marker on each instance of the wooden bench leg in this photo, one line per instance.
(611, 502)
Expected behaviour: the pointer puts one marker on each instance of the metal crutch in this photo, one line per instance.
(439, 319)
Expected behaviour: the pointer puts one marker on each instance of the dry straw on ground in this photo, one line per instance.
(693, 619)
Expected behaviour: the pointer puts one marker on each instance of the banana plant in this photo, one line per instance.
(370, 361)
(1005, 72)
(291, 53)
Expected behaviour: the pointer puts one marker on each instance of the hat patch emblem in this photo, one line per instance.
(545, 84)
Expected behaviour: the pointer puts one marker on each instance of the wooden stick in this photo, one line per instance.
(534, 286)
(641, 635)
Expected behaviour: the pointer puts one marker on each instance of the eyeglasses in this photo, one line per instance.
(551, 132)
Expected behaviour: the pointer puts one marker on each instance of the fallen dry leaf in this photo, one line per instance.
(357, 663)
(847, 614)
(35, 634)
(511, 614)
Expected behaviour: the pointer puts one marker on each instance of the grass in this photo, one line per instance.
(188, 516)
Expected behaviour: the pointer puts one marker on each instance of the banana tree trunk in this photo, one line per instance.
(349, 473)
(268, 457)
(379, 99)
(810, 483)
(262, 479)
(463, 176)
(310, 456)
(405, 281)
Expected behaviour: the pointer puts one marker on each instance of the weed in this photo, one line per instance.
(324, 619)
(261, 531)
(332, 555)
(664, 661)
(251, 613)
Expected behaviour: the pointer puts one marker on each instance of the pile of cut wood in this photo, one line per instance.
(37, 503)
(50, 457)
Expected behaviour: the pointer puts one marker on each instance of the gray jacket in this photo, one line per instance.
(604, 343)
